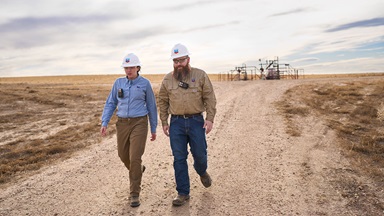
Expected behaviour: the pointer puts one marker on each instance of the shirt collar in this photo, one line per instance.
(134, 81)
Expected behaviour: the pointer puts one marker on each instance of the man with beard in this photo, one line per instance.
(185, 94)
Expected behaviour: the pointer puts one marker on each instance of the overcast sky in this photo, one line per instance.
(57, 37)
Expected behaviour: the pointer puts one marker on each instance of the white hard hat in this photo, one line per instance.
(131, 60)
(179, 50)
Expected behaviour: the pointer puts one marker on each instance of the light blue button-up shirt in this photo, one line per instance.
(138, 100)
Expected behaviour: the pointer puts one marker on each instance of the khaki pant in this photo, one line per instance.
(131, 138)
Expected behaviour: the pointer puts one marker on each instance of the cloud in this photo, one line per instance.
(359, 24)
(294, 11)
(308, 59)
(33, 23)
(353, 65)
(140, 34)
(90, 36)
(212, 26)
(28, 32)
(199, 4)
(189, 5)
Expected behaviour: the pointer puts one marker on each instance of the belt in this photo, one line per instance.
(187, 115)
(120, 118)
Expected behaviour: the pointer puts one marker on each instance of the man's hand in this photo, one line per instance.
(208, 125)
(103, 131)
(153, 136)
(166, 130)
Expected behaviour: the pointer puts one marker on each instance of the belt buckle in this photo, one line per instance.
(185, 117)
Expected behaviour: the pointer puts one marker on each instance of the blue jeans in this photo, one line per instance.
(181, 132)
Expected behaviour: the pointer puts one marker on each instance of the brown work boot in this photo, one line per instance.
(206, 180)
(180, 200)
(135, 201)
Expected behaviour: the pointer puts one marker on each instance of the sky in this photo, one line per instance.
(61, 37)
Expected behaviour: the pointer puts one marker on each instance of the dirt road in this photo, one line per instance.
(256, 168)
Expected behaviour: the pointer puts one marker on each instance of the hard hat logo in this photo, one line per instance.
(127, 60)
(176, 51)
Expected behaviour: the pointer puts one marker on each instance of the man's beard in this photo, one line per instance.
(181, 72)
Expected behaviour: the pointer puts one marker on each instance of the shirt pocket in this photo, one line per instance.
(122, 100)
(176, 94)
(195, 96)
(138, 92)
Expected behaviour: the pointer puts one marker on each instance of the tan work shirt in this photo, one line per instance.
(199, 96)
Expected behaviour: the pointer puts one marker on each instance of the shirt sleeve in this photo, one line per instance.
(152, 108)
(110, 106)
(209, 99)
(164, 103)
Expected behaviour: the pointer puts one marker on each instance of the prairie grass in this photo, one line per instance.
(42, 123)
(353, 109)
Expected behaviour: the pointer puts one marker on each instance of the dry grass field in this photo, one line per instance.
(45, 120)
(355, 111)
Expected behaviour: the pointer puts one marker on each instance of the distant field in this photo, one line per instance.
(83, 79)
(155, 78)
(314, 76)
